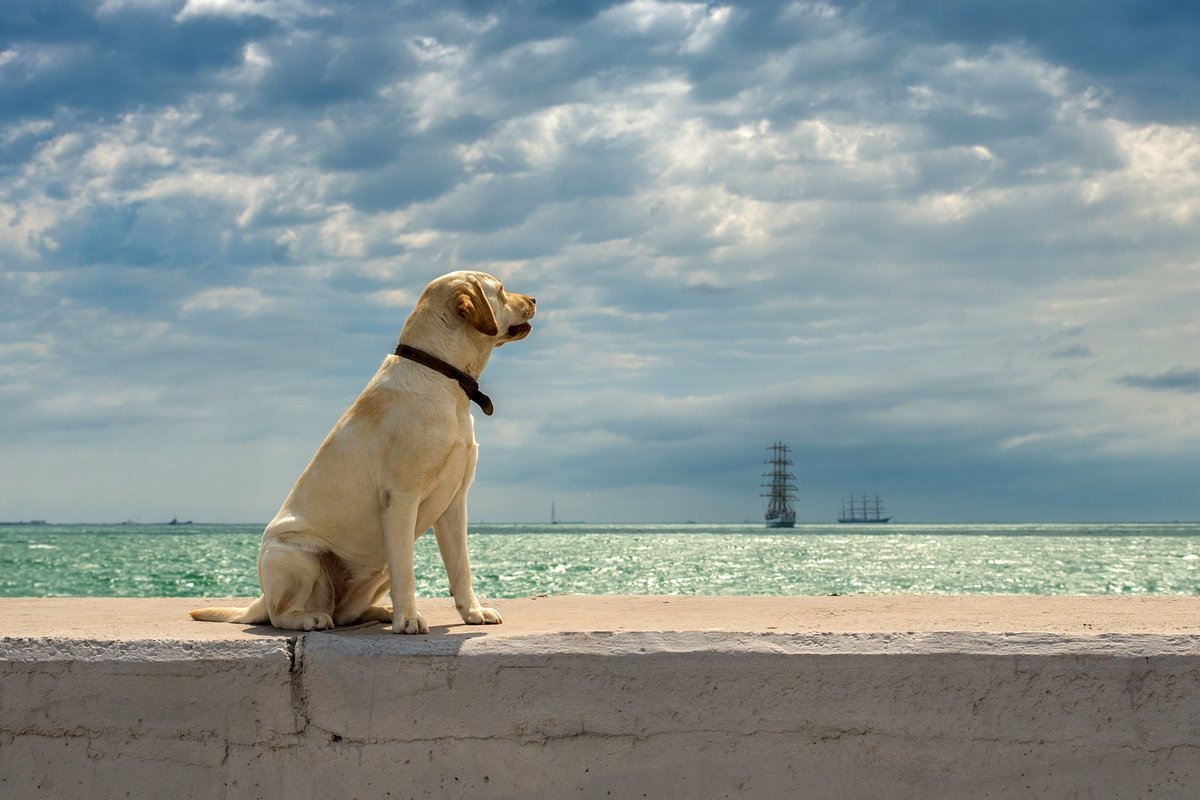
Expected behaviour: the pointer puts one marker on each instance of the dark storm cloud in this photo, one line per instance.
(419, 173)
(67, 55)
(1074, 351)
(170, 233)
(1173, 380)
(1144, 53)
(846, 446)
(312, 70)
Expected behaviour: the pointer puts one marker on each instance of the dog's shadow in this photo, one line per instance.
(445, 636)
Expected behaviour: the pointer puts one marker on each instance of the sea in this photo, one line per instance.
(524, 560)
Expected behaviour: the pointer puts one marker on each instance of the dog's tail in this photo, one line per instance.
(254, 614)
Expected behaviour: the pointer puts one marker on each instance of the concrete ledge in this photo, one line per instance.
(611, 696)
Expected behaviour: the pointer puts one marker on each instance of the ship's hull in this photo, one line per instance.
(879, 521)
(784, 521)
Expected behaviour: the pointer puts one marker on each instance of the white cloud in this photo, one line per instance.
(393, 298)
(109, 7)
(707, 30)
(272, 9)
(240, 300)
(1162, 171)
(73, 404)
(645, 16)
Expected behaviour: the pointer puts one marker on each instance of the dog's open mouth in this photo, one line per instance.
(519, 331)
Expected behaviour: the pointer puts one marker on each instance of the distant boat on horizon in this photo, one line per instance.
(780, 488)
(856, 511)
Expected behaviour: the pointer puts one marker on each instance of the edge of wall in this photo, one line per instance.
(818, 706)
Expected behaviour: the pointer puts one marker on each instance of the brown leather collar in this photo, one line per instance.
(468, 384)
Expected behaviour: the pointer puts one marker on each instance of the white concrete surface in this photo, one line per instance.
(852, 697)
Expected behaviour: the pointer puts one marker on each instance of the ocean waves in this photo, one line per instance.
(527, 560)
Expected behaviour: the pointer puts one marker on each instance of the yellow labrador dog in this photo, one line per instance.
(397, 462)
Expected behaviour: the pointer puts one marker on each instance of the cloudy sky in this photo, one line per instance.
(948, 252)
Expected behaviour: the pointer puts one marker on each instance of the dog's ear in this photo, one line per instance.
(472, 306)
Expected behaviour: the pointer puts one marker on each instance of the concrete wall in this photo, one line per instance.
(625, 713)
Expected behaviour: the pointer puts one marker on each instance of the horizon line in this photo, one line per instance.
(850, 526)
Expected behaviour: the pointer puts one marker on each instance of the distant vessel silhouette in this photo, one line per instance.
(780, 488)
(862, 511)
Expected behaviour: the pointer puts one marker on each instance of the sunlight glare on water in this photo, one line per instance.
(525, 560)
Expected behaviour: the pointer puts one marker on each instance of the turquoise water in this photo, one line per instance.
(525, 560)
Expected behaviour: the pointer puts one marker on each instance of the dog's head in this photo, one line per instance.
(471, 308)
(486, 306)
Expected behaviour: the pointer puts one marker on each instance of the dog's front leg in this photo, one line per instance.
(399, 533)
(451, 533)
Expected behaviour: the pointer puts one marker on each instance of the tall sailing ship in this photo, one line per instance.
(860, 510)
(780, 488)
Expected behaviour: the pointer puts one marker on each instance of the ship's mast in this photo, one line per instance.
(862, 508)
(779, 487)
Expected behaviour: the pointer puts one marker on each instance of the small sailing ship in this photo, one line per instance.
(780, 488)
(859, 510)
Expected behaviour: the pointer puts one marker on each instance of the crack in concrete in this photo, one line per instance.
(295, 651)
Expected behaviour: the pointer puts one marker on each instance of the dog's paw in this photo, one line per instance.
(317, 622)
(482, 616)
(409, 624)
